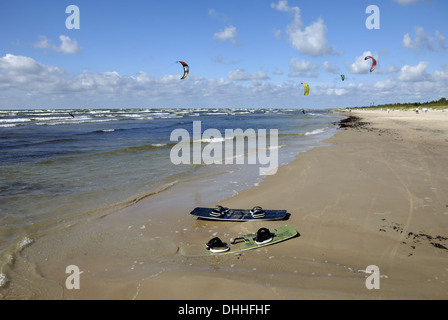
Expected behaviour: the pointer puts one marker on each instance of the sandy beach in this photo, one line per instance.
(376, 193)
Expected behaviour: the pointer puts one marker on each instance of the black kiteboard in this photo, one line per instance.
(226, 214)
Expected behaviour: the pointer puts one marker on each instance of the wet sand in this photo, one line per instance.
(376, 194)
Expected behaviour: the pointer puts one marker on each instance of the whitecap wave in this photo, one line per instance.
(315, 131)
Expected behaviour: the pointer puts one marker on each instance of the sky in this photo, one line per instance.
(241, 53)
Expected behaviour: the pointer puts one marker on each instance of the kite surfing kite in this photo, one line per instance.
(342, 77)
(307, 88)
(373, 62)
(186, 69)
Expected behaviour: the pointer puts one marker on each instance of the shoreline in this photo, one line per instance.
(375, 194)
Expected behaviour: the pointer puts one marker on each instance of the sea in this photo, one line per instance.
(63, 166)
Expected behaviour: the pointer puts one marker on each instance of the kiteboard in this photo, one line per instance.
(242, 243)
(226, 214)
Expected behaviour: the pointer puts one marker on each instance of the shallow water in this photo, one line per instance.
(59, 167)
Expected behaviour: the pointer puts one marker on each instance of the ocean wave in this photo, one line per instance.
(236, 135)
(2, 280)
(70, 121)
(10, 125)
(160, 189)
(16, 120)
(79, 116)
(8, 258)
(214, 140)
(23, 145)
(108, 130)
(315, 131)
(132, 115)
(216, 113)
(23, 243)
(143, 148)
(53, 118)
(98, 111)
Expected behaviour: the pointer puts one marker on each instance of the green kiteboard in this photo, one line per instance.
(241, 243)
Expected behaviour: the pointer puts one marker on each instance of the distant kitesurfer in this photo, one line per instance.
(71, 114)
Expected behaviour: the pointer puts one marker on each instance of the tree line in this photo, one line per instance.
(441, 103)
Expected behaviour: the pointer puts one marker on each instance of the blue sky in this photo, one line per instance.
(245, 53)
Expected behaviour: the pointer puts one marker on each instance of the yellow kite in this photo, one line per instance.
(307, 88)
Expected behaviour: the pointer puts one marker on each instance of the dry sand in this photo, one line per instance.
(377, 194)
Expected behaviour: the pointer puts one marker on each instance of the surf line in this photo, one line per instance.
(187, 151)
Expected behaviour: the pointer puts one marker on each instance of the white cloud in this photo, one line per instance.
(282, 5)
(384, 85)
(216, 15)
(407, 42)
(11, 63)
(414, 73)
(43, 43)
(220, 59)
(67, 46)
(331, 92)
(406, 2)
(310, 39)
(392, 69)
(423, 41)
(441, 39)
(24, 82)
(336, 91)
(330, 68)
(27, 74)
(361, 65)
(228, 34)
(438, 75)
(241, 75)
(302, 68)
